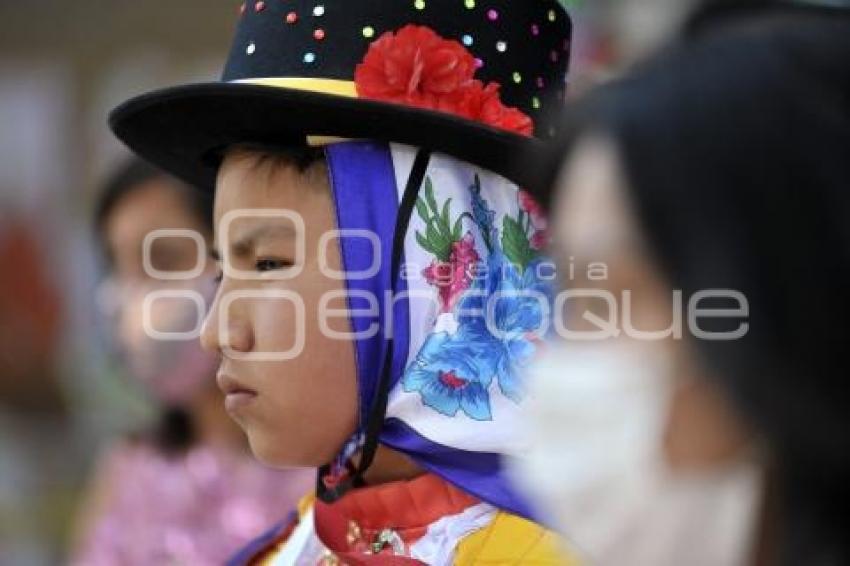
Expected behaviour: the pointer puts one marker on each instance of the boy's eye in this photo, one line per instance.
(272, 264)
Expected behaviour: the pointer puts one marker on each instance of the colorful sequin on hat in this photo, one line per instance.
(553, 15)
(535, 30)
(479, 63)
(535, 102)
(292, 18)
(468, 40)
(502, 46)
(368, 32)
(517, 76)
(319, 11)
(492, 15)
(319, 34)
(540, 82)
(554, 55)
(470, 4)
(251, 49)
(419, 4)
(310, 58)
(259, 6)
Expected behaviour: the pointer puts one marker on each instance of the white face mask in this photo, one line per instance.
(596, 416)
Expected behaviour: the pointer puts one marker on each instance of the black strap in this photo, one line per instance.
(375, 420)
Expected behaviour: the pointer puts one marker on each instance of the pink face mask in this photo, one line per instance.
(157, 335)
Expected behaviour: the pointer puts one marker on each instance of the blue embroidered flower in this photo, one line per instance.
(516, 310)
(447, 374)
(497, 320)
(484, 217)
(454, 372)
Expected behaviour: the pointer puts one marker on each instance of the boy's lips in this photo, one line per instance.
(236, 394)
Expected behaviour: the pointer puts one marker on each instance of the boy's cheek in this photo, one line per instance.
(286, 431)
(279, 324)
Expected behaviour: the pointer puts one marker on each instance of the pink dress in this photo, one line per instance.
(194, 509)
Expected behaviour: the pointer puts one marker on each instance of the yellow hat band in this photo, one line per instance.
(324, 86)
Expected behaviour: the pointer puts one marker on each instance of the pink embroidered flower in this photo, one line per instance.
(455, 276)
(417, 67)
(533, 208)
(464, 251)
(540, 240)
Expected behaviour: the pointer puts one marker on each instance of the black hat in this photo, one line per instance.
(471, 78)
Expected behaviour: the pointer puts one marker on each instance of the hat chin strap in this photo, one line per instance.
(378, 412)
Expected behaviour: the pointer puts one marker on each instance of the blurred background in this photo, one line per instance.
(63, 66)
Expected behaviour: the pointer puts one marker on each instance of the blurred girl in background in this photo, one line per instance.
(188, 491)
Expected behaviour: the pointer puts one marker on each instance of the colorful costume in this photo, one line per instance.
(436, 231)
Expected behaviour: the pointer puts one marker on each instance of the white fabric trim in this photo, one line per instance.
(438, 546)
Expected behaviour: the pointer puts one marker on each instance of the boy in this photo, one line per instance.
(378, 298)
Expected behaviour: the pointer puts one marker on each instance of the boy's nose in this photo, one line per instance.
(209, 331)
(218, 338)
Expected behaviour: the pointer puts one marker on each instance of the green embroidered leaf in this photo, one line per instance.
(457, 231)
(423, 243)
(440, 245)
(422, 209)
(445, 220)
(429, 196)
(515, 244)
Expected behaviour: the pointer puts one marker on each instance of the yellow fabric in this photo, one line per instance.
(513, 540)
(304, 504)
(324, 86)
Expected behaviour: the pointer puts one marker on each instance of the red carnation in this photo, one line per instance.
(484, 104)
(413, 66)
(417, 67)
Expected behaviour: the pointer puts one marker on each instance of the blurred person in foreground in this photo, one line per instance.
(189, 491)
(710, 188)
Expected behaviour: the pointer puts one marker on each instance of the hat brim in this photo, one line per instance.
(185, 130)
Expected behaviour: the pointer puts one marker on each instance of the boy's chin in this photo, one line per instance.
(282, 453)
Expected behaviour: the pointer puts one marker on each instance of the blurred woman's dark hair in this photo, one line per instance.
(134, 173)
(736, 146)
(174, 431)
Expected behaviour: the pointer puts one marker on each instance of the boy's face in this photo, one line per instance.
(297, 411)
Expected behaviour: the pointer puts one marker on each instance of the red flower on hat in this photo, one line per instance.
(417, 67)
(484, 104)
(414, 66)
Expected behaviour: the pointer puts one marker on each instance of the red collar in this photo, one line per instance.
(375, 519)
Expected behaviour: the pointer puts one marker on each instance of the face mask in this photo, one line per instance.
(596, 417)
(173, 370)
